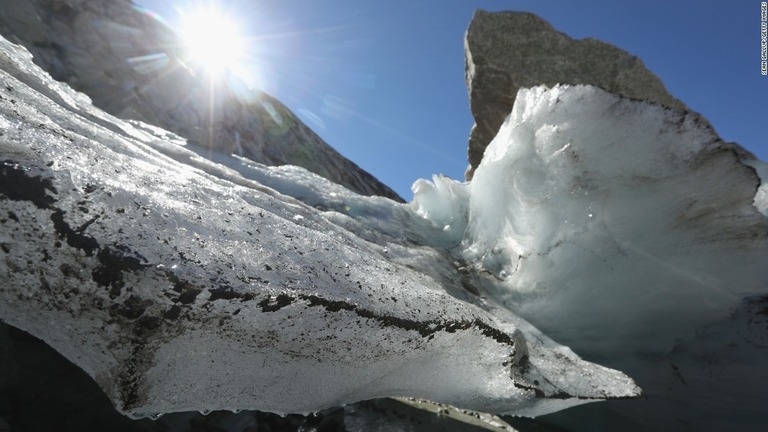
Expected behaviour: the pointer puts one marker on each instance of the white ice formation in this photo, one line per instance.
(586, 202)
(631, 233)
(181, 283)
(186, 279)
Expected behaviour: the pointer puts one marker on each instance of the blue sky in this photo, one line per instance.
(383, 81)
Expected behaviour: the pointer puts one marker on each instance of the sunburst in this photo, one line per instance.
(213, 40)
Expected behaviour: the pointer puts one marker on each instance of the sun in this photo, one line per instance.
(212, 40)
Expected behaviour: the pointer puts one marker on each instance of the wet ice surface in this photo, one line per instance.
(181, 282)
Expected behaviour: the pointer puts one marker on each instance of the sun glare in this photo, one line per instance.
(213, 41)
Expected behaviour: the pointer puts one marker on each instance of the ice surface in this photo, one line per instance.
(182, 279)
(625, 231)
(444, 202)
(586, 203)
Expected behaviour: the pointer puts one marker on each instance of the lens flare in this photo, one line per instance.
(213, 41)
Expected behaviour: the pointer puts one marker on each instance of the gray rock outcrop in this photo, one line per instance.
(128, 63)
(506, 51)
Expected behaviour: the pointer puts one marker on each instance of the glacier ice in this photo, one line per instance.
(586, 202)
(626, 231)
(184, 279)
(444, 203)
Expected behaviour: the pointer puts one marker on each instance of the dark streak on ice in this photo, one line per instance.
(281, 301)
(75, 238)
(113, 262)
(424, 328)
(225, 293)
(18, 185)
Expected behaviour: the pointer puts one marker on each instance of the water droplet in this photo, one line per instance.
(590, 215)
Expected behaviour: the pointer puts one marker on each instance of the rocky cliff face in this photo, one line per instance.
(127, 63)
(507, 51)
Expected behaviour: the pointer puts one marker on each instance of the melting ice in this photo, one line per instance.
(597, 219)
(200, 281)
(587, 205)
